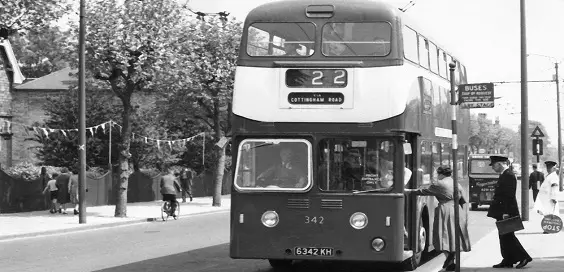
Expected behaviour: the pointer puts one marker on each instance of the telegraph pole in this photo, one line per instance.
(559, 129)
(524, 118)
(453, 102)
(82, 120)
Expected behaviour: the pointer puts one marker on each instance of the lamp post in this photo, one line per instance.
(82, 120)
(557, 81)
(524, 116)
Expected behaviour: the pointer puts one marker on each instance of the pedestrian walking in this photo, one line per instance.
(535, 181)
(51, 187)
(63, 196)
(186, 177)
(504, 205)
(444, 239)
(73, 189)
(547, 201)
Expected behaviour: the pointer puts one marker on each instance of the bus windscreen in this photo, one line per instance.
(481, 167)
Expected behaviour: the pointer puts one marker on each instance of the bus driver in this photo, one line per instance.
(284, 174)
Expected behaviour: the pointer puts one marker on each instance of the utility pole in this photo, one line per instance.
(524, 117)
(559, 129)
(82, 120)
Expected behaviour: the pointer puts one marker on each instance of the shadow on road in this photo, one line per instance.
(216, 259)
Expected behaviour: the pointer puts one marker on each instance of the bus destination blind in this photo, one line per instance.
(316, 98)
(316, 78)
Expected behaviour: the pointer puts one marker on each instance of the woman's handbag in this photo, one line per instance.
(508, 225)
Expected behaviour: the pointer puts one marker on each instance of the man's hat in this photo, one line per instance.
(550, 163)
(494, 159)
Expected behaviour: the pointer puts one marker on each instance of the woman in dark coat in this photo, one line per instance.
(63, 183)
(443, 224)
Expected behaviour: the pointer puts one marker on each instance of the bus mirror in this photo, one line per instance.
(407, 149)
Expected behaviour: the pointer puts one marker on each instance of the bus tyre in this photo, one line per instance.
(474, 206)
(422, 246)
(280, 263)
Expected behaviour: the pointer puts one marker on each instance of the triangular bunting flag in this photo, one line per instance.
(64, 133)
(45, 132)
(159, 144)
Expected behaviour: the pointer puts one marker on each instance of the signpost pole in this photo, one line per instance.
(524, 117)
(453, 101)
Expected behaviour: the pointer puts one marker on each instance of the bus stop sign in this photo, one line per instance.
(478, 95)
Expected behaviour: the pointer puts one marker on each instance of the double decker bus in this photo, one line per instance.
(482, 180)
(338, 106)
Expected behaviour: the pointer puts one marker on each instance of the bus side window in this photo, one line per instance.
(425, 168)
(445, 156)
(410, 47)
(423, 52)
(436, 160)
(460, 157)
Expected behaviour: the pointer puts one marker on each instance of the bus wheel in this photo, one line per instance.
(474, 206)
(413, 262)
(280, 263)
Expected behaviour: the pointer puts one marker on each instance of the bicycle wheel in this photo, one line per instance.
(165, 210)
(177, 211)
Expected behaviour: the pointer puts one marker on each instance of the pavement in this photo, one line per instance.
(37, 223)
(547, 250)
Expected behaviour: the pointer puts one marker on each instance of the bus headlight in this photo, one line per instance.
(358, 220)
(378, 244)
(270, 219)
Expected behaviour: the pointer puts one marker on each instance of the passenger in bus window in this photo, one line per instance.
(291, 49)
(284, 174)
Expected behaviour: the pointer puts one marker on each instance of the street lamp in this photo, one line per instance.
(556, 80)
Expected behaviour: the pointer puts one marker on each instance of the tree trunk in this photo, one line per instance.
(124, 155)
(219, 170)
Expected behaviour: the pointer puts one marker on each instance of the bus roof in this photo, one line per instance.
(295, 10)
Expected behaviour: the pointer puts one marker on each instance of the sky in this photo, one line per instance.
(485, 35)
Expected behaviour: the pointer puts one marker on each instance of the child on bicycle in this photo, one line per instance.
(169, 186)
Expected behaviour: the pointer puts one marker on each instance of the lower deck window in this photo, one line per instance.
(267, 164)
(351, 164)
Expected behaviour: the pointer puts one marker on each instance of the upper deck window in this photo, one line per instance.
(281, 39)
(356, 39)
(273, 165)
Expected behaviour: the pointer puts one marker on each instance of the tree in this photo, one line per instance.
(22, 15)
(212, 46)
(42, 51)
(58, 149)
(485, 134)
(130, 46)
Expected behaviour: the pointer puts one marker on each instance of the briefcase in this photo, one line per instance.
(508, 225)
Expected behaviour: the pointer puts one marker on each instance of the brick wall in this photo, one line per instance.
(5, 108)
(27, 107)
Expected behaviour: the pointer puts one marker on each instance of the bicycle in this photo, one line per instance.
(166, 210)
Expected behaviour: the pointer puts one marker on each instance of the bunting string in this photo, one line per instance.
(106, 126)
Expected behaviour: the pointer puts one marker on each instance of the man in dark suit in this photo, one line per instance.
(504, 205)
(535, 180)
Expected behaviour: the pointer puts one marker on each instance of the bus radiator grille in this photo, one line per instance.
(298, 203)
(332, 204)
